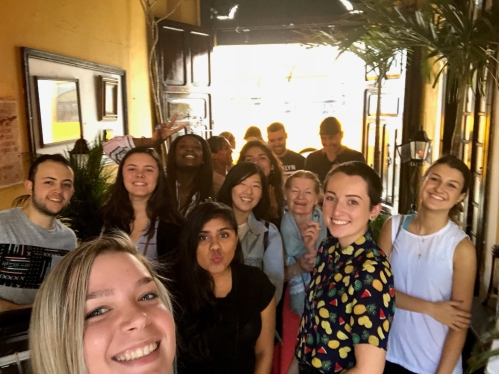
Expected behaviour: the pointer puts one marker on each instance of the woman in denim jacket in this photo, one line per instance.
(245, 190)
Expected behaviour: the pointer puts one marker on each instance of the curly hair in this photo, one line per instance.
(203, 182)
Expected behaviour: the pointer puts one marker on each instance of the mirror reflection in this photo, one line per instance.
(58, 110)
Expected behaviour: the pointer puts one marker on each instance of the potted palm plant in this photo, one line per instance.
(460, 41)
(91, 182)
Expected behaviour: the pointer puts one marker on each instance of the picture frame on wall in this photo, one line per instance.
(108, 98)
(91, 103)
(59, 110)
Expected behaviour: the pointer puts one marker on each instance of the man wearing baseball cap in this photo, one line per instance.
(321, 161)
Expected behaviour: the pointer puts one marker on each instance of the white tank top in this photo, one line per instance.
(422, 267)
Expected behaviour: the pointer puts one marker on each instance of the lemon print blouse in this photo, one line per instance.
(350, 300)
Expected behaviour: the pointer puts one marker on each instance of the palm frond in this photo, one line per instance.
(91, 182)
(446, 29)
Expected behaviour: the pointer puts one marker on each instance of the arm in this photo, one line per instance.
(385, 238)
(7, 305)
(117, 147)
(293, 367)
(161, 133)
(369, 359)
(273, 261)
(306, 262)
(451, 313)
(264, 348)
(463, 280)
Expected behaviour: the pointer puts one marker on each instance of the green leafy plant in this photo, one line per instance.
(481, 352)
(459, 40)
(91, 182)
(377, 224)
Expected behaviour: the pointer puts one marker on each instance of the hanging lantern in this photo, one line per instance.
(416, 150)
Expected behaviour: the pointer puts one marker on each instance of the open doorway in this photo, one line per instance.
(255, 85)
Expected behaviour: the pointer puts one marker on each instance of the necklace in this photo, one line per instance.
(420, 240)
(420, 249)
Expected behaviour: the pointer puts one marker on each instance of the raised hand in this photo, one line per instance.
(449, 313)
(164, 130)
(310, 236)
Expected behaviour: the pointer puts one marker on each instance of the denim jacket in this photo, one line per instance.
(295, 248)
(270, 260)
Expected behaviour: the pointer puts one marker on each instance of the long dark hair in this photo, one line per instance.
(194, 285)
(118, 212)
(454, 163)
(275, 178)
(236, 175)
(203, 182)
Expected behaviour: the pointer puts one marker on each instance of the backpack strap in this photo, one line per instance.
(266, 237)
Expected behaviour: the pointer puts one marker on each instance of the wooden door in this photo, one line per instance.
(380, 142)
(185, 55)
(475, 129)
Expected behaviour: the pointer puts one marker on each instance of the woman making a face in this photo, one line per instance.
(245, 190)
(227, 309)
(97, 324)
(139, 204)
(349, 303)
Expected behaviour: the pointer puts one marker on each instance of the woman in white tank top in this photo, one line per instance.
(434, 265)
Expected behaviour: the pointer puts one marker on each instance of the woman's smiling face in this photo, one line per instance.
(247, 194)
(347, 207)
(301, 196)
(257, 155)
(189, 152)
(140, 175)
(441, 189)
(127, 328)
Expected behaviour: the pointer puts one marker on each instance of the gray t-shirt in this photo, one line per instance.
(27, 253)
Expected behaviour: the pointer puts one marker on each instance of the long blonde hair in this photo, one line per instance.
(57, 320)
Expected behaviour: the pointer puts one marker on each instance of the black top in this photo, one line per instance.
(292, 162)
(318, 163)
(232, 338)
(167, 238)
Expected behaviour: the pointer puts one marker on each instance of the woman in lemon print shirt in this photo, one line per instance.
(349, 304)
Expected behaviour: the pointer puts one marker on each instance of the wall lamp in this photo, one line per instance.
(416, 150)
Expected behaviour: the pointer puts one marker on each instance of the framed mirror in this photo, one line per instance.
(59, 110)
(62, 101)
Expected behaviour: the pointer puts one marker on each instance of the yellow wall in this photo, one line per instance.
(110, 32)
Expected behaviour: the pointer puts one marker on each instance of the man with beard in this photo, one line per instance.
(291, 161)
(333, 153)
(32, 240)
